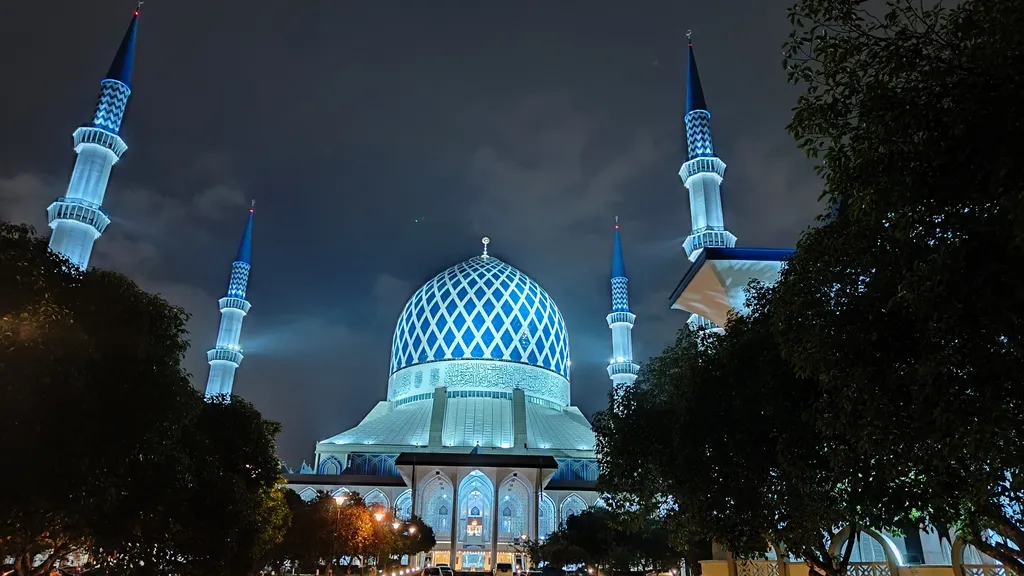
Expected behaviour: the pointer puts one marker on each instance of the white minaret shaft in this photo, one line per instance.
(226, 356)
(702, 173)
(77, 218)
(621, 369)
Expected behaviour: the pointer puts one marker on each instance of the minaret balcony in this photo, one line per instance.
(78, 210)
(90, 135)
(708, 239)
(228, 303)
(225, 355)
(621, 318)
(619, 368)
(702, 165)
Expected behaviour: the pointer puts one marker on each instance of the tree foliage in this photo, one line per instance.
(324, 532)
(111, 453)
(734, 457)
(906, 305)
(600, 538)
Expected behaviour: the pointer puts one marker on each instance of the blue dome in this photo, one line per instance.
(481, 309)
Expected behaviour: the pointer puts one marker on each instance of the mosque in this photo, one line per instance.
(476, 432)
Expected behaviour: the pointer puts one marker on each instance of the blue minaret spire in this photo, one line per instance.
(622, 370)
(226, 356)
(77, 218)
(702, 172)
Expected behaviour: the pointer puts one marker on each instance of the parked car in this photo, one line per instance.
(445, 569)
(502, 569)
(430, 571)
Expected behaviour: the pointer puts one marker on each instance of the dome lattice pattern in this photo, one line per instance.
(481, 308)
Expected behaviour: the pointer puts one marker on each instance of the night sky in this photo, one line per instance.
(381, 141)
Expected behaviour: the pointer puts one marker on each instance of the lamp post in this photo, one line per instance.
(338, 501)
(378, 516)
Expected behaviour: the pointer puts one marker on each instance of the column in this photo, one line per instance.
(494, 524)
(538, 494)
(455, 521)
(415, 490)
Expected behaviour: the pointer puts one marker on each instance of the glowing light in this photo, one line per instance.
(396, 524)
(619, 359)
(339, 500)
(378, 516)
(505, 445)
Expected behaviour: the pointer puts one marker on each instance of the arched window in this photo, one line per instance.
(437, 498)
(572, 505)
(403, 505)
(516, 508)
(377, 498)
(474, 511)
(547, 516)
(329, 466)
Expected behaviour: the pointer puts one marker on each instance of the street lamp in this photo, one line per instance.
(338, 501)
(396, 524)
(412, 529)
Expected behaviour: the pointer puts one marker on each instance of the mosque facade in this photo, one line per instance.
(476, 433)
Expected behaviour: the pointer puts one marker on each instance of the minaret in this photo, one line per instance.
(77, 218)
(622, 370)
(227, 355)
(702, 172)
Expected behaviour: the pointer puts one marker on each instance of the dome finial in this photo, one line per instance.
(485, 241)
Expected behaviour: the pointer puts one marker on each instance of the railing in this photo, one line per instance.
(757, 568)
(984, 570)
(868, 569)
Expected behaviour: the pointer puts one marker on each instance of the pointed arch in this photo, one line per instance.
(476, 492)
(572, 505)
(377, 498)
(308, 494)
(436, 497)
(340, 492)
(330, 466)
(403, 505)
(865, 549)
(546, 522)
(514, 496)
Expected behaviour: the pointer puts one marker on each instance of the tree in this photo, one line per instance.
(598, 537)
(905, 305)
(353, 529)
(236, 509)
(730, 452)
(290, 548)
(393, 538)
(93, 398)
(115, 454)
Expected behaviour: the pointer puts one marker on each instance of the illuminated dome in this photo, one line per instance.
(481, 325)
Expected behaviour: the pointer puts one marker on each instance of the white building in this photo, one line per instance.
(476, 434)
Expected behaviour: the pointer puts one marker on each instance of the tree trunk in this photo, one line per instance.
(1012, 559)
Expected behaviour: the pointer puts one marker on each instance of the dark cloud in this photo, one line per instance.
(381, 141)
